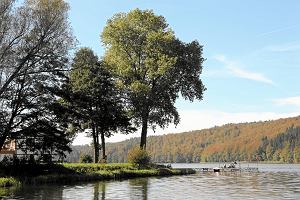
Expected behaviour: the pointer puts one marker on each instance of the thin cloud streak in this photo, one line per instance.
(234, 69)
(276, 30)
(249, 75)
(283, 48)
(292, 101)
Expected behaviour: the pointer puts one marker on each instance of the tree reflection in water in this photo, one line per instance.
(270, 183)
(100, 190)
(132, 189)
(140, 184)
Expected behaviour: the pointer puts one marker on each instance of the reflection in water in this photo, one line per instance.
(139, 188)
(127, 189)
(99, 190)
(8, 192)
(206, 185)
(35, 192)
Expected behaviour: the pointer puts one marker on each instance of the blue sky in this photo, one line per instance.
(252, 50)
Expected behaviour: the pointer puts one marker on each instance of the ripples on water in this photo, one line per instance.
(272, 182)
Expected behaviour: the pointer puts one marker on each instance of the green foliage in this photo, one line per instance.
(86, 158)
(35, 42)
(138, 27)
(151, 67)
(94, 95)
(139, 157)
(7, 182)
(284, 147)
(91, 99)
(82, 77)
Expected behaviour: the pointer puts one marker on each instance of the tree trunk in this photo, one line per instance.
(144, 131)
(96, 156)
(97, 150)
(103, 147)
(96, 144)
(2, 140)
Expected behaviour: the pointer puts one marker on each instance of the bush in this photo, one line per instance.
(139, 157)
(8, 182)
(86, 159)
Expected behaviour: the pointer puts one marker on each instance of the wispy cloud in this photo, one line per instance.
(250, 75)
(283, 47)
(277, 30)
(234, 68)
(221, 58)
(294, 101)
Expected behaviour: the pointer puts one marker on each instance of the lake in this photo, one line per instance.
(273, 181)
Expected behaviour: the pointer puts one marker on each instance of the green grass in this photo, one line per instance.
(101, 175)
(75, 172)
(92, 167)
(7, 186)
(8, 182)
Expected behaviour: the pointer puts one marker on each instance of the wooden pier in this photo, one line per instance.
(217, 169)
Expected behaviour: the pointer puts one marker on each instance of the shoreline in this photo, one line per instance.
(77, 172)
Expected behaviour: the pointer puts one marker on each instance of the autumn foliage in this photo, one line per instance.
(139, 157)
(277, 140)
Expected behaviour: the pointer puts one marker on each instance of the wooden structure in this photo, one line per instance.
(9, 147)
(221, 169)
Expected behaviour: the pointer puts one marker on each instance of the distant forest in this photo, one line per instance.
(277, 140)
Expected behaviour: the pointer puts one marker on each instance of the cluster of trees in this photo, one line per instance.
(276, 140)
(35, 40)
(46, 97)
(92, 101)
(284, 148)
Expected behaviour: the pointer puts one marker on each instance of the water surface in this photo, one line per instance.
(275, 181)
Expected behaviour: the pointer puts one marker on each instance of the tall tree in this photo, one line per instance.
(152, 67)
(34, 48)
(95, 103)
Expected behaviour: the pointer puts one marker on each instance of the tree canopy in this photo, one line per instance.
(152, 67)
(94, 101)
(35, 42)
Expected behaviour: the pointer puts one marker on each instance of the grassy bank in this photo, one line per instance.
(8, 182)
(68, 173)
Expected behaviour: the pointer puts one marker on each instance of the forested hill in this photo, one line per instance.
(277, 140)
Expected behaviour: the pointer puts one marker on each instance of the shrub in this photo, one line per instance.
(86, 159)
(7, 182)
(139, 157)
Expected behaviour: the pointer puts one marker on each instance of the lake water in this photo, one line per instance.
(273, 181)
